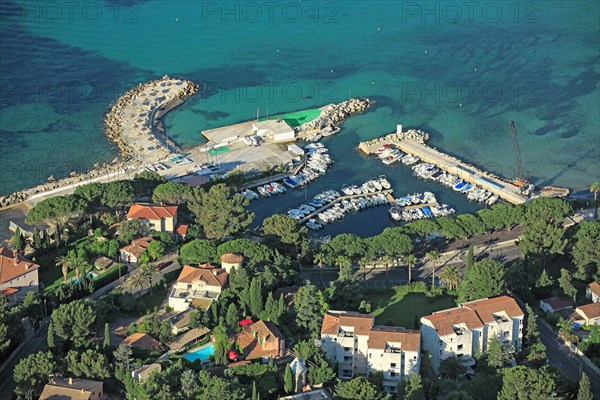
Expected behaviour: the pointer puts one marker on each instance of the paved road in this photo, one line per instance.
(567, 362)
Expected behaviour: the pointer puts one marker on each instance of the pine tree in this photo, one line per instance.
(256, 301)
(565, 282)
(287, 379)
(51, 337)
(37, 239)
(585, 392)
(544, 280)
(281, 305)
(106, 336)
(470, 259)
(531, 333)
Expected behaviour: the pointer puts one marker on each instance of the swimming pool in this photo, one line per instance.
(201, 353)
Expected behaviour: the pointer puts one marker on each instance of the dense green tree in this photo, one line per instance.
(470, 261)
(256, 299)
(221, 345)
(543, 231)
(544, 281)
(232, 317)
(346, 244)
(32, 307)
(586, 249)
(123, 355)
(537, 352)
(188, 383)
(459, 395)
(346, 291)
(117, 194)
(497, 354)
(132, 229)
(532, 334)
(450, 229)
(471, 224)
(394, 242)
(254, 253)
(144, 182)
(422, 227)
(585, 391)
(288, 385)
(220, 212)
(284, 229)
(491, 220)
(310, 305)
(484, 279)
(411, 388)
(358, 389)
(510, 215)
(33, 372)
(89, 364)
(156, 249)
(55, 211)
(451, 368)
(74, 321)
(450, 277)
(322, 373)
(17, 240)
(525, 383)
(51, 337)
(565, 282)
(214, 387)
(172, 193)
(198, 251)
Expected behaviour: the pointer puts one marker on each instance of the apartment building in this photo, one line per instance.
(359, 347)
(464, 331)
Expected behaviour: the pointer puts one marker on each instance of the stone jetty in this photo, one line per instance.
(335, 114)
(412, 134)
(131, 125)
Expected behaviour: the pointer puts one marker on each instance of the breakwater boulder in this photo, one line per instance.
(335, 114)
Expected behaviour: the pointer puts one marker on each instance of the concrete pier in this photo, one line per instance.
(411, 143)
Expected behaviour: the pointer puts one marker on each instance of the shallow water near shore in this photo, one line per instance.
(459, 77)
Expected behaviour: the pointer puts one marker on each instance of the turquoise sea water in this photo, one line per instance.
(459, 73)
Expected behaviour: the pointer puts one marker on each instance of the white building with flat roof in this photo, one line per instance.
(277, 131)
(467, 329)
(358, 347)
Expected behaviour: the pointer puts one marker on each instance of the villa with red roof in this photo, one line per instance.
(462, 331)
(156, 217)
(351, 340)
(592, 292)
(197, 286)
(261, 339)
(132, 252)
(17, 276)
(590, 313)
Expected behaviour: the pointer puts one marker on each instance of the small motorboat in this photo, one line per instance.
(395, 214)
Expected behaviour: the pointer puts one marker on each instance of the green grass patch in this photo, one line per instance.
(404, 309)
(297, 118)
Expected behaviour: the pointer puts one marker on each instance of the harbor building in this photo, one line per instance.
(276, 131)
(464, 331)
(359, 347)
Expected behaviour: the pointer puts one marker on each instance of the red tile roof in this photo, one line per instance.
(151, 211)
(332, 321)
(210, 274)
(181, 229)
(590, 311)
(13, 265)
(267, 332)
(558, 303)
(143, 341)
(8, 291)
(595, 288)
(137, 246)
(485, 308)
(382, 336)
(443, 321)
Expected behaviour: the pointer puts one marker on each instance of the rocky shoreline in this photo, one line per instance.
(131, 120)
(334, 114)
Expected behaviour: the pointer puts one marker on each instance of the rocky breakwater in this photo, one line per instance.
(130, 123)
(411, 134)
(335, 114)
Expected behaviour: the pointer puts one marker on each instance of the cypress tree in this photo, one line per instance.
(287, 379)
(585, 392)
(281, 305)
(232, 316)
(254, 392)
(106, 336)
(51, 337)
(531, 333)
(37, 239)
(271, 308)
(470, 259)
(256, 302)
(18, 240)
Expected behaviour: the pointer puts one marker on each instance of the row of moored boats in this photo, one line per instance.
(426, 211)
(317, 163)
(390, 154)
(430, 172)
(371, 186)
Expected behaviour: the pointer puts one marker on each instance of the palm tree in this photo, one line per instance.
(79, 264)
(411, 261)
(387, 260)
(595, 188)
(148, 273)
(319, 260)
(433, 256)
(363, 265)
(136, 281)
(450, 277)
(64, 262)
(341, 262)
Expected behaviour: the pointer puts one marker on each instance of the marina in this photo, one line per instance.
(411, 145)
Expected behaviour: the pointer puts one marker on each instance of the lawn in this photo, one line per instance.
(405, 309)
(297, 118)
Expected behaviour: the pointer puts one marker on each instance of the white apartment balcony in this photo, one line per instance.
(192, 294)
